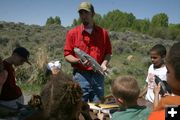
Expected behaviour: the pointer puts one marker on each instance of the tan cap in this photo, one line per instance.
(86, 6)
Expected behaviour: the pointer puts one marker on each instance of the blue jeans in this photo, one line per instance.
(92, 85)
(13, 103)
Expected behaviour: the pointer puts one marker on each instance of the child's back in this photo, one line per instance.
(132, 113)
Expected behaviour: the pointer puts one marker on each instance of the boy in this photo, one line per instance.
(173, 79)
(11, 93)
(158, 68)
(126, 91)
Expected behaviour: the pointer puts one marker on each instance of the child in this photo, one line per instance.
(173, 79)
(54, 67)
(11, 93)
(158, 68)
(126, 91)
(61, 99)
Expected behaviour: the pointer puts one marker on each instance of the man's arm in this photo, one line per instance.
(108, 51)
(71, 59)
(68, 48)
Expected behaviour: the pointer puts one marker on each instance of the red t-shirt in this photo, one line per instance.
(97, 44)
(10, 90)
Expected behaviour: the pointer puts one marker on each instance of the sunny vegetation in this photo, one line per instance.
(121, 21)
(131, 39)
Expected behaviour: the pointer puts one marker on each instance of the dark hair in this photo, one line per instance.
(23, 52)
(61, 98)
(126, 88)
(160, 49)
(173, 58)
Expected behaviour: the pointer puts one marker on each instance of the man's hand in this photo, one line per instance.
(105, 63)
(86, 63)
(104, 67)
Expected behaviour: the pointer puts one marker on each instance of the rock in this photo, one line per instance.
(130, 57)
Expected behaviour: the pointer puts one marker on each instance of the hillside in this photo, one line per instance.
(130, 51)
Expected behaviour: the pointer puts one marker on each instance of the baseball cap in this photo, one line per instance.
(23, 52)
(86, 6)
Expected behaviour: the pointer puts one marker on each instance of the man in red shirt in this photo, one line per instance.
(93, 40)
(11, 93)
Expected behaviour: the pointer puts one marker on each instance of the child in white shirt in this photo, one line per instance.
(158, 68)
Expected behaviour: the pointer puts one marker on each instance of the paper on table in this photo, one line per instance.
(102, 106)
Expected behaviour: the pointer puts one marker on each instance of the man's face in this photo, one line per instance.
(86, 17)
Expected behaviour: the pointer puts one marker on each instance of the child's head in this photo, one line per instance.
(125, 88)
(158, 53)
(20, 55)
(173, 68)
(53, 68)
(61, 98)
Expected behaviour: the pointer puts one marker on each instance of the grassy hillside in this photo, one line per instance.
(130, 52)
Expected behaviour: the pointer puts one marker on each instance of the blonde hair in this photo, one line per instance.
(126, 88)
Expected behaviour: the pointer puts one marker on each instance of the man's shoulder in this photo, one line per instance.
(74, 29)
(100, 28)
